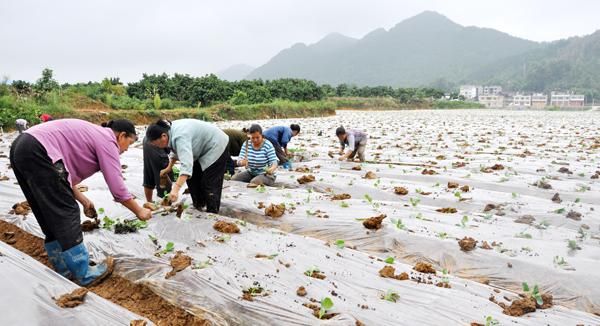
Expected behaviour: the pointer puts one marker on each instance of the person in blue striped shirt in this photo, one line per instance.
(258, 156)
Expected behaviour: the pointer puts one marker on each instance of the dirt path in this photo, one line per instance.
(136, 298)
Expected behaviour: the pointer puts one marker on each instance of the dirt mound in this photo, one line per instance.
(357, 168)
(564, 170)
(306, 179)
(520, 307)
(370, 175)
(489, 207)
(179, 262)
(316, 274)
(428, 172)
(275, 211)
(424, 267)
(303, 169)
(485, 245)
(316, 308)
(446, 210)
(465, 188)
(543, 185)
(73, 299)
(341, 197)
(90, 225)
(556, 198)
(389, 272)
(467, 244)
(90, 212)
(400, 191)
(452, 185)
(21, 208)
(497, 167)
(374, 223)
(574, 215)
(226, 227)
(525, 219)
(138, 322)
(136, 297)
(301, 292)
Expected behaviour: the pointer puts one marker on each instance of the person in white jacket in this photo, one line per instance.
(21, 125)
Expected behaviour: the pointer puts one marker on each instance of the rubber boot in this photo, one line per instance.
(56, 260)
(78, 262)
(287, 165)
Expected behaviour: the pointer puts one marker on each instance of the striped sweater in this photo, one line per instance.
(259, 160)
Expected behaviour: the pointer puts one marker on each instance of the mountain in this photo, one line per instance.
(418, 51)
(235, 72)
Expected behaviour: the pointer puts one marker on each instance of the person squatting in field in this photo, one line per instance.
(280, 136)
(259, 158)
(49, 160)
(355, 140)
(201, 148)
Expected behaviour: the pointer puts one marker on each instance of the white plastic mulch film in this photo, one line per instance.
(557, 253)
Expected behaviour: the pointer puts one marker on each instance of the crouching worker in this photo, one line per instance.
(156, 160)
(258, 156)
(202, 150)
(279, 137)
(236, 140)
(49, 160)
(355, 140)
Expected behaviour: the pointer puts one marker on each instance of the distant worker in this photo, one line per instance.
(45, 117)
(49, 160)
(236, 140)
(259, 158)
(21, 125)
(280, 136)
(355, 140)
(201, 148)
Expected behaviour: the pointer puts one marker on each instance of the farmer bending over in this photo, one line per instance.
(280, 136)
(202, 150)
(49, 160)
(258, 156)
(355, 140)
(236, 140)
(156, 159)
(21, 125)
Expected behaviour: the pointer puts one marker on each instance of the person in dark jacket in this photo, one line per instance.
(236, 140)
(280, 136)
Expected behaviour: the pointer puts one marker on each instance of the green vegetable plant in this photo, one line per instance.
(533, 293)
(326, 305)
(391, 296)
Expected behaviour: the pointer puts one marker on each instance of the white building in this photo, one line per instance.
(490, 90)
(521, 101)
(469, 92)
(566, 100)
(492, 101)
(539, 100)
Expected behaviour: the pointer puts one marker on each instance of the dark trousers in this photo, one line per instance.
(230, 165)
(279, 151)
(156, 159)
(206, 186)
(47, 189)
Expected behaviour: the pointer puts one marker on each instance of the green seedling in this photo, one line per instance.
(533, 293)
(398, 223)
(523, 235)
(577, 200)
(261, 189)
(107, 223)
(100, 210)
(153, 239)
(309, 213)
(414, 201)
(490, 321)
(560, 210)
(572, 245)
(175, 172)
(445, 278)
(442, 235)
(340, 243)
(458, 195)
(344, 204)
(224, 238)
(560, 261)
(389, 260)
(515, 195)
(311, 271)
(369, 198)
(391, 296)
(326, 305)
(463, 222)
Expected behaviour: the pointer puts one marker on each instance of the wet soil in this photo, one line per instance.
(275, 211)
(465, 188)
(315, 308)
(306, 179)
(301, 292)
(556, 198)
(452, 185)
(467, 244)
(446, 210)
(341, 197)
(136, 297)
(21, 208)
(179, 262)
(73, 299)
(424, 267)
(318, 275)
(389, 272)
(428, 172)
(90, 225)
(374, 223)
(370, 175)
(574, 215)
(400, 191)
(226, 227)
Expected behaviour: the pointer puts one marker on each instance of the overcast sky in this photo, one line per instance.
(89, 39)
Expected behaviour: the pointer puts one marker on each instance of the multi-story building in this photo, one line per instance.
(492, 101)
(566, 100)
(576, 100)
(490, 90)
(521, 101)
(469, 92)
(539, 100)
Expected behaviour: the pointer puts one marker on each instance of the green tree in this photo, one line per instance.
(46, 83)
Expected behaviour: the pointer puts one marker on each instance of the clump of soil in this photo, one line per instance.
(467, 244)
(301, 292)
(424, 267)
(452, 185)
(556, 198)
(90, 225)
(357, 168)
(428, 172)
(164, 181)
(127, 226)
(400, 191)
(226, 227)
(459, 164)
(316, 308)
(135, 297)
(446, 210)
(374, 223)
(564, 170)
(315, 274)
(525, 219)
(527, 304)
(303, 169)
(465, 188)
(73, 299)
(370, 175)
(179, 262)
(261, 205)
(21, 208)
(489, 207)
(389, 272)
(445, 285)
(150, 206)
(306, 179)
(166, 201)
(138, 322)
(574, 215)
(275, 211)
(497, 167)
(4, 178)
(485, 245)
(341, 197)
(179, 210)
(543, 185)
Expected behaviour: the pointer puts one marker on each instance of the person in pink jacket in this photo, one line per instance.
(49, 160)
